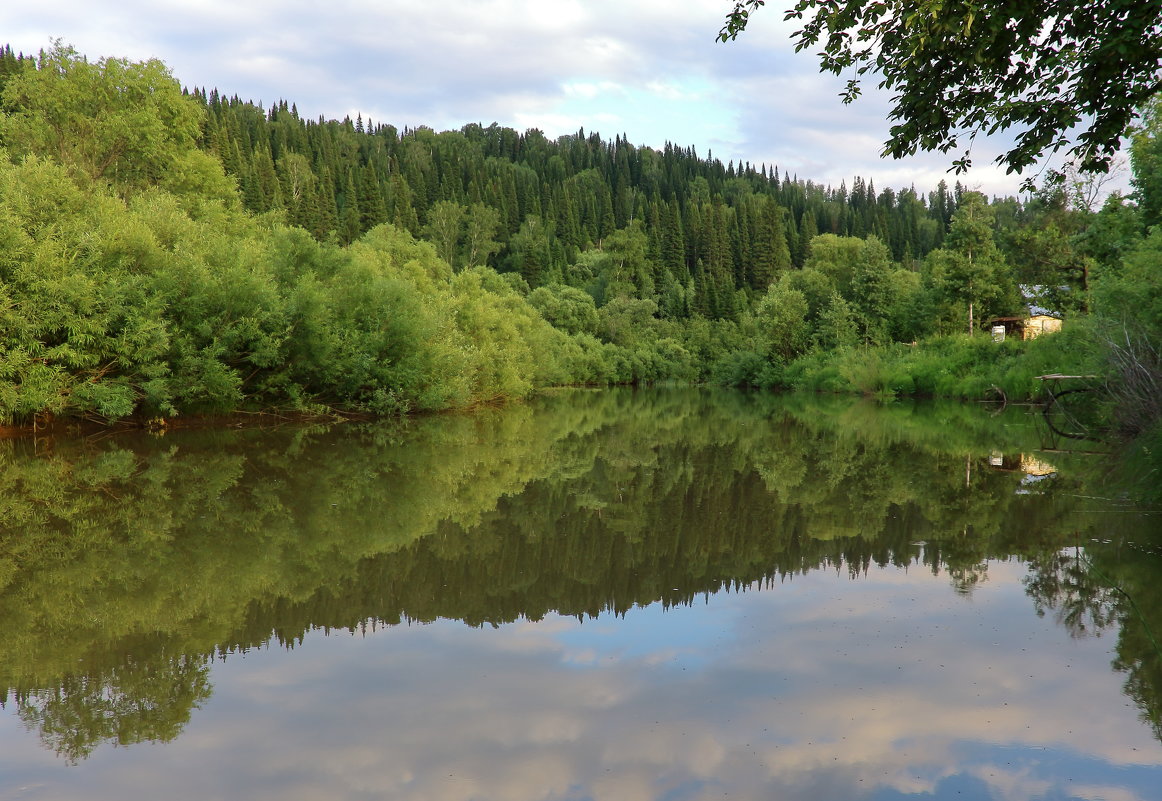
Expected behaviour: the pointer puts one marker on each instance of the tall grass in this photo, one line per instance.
(958, 366)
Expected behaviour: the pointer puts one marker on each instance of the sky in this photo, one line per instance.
(650, 70)
(887, 686)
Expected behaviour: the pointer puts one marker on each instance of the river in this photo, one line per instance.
(669, 594)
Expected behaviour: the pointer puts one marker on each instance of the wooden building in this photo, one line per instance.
(1028, 326)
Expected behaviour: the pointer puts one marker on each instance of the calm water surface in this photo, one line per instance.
(667, 594)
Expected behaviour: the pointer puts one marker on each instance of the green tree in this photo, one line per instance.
(1112, 233)
(444, 228)
(770, 255)
(264, 181)
(81, 332)
(298, 187)
(1146, 160)
(816, 286)
(401, 212)
(529, 252)
(1129, 306)
(372, 209)
(672, 247)
(957, 69)
(570, 309)
(1050, 260)
(970, 274)
(627, 321)
(871, 291)
(350, 220)
(131, 704)
(480, 228)
(808, 230)
(782, 320)
(631, 273)
(837, 326)
(113, 119)
(836, 257)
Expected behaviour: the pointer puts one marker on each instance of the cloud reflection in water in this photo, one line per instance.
(822, 687)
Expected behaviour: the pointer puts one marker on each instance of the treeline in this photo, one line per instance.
(169, 251)
(345, 177)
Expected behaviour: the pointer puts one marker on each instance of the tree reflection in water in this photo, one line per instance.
(130, 563)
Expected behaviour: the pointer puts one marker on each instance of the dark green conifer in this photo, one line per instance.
(349, 215)
(372, 208)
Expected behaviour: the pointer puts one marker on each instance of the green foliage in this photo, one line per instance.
(73, 310)
(1086, 66)
(1146, 158)
(769, 254)
(743, 368)
(507, 349)
(258, 272)
(530, 250)
(873, 293)
(444, 229)
(112, 307)
(952, 366)
(1135, 293)
(126, 122)
(567, 308)
(125, 705)
(630, 270)
(855, 293)
(835, 257)
(1113, 232)
(837, 326)
(736, 219)
(969, 277)
(782, 320)
(1129, 309)
(624, 320)
(480, 228)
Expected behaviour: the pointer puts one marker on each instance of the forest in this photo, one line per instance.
(171, 251)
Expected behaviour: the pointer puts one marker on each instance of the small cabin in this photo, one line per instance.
(1026, 326)
(1037, 319)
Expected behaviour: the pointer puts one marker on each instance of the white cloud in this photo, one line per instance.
(557, 65)
(592, 91)
(670, 91)
(824, 688)
(1093, 792)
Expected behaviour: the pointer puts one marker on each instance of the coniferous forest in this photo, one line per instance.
(169, 251)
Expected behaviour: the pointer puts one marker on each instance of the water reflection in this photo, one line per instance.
(608, 536)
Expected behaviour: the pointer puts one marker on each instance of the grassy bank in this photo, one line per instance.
(956, 366)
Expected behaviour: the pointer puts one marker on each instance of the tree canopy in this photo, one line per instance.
(113, 119)
(1061, 73)
(239, 258)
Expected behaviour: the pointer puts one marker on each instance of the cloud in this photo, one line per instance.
(649, 68)
(591, 91)
(821, 688)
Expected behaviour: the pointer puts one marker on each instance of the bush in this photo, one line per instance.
(739, 369)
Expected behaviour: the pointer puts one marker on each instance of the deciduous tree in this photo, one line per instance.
(1045, 68)
(113, 119)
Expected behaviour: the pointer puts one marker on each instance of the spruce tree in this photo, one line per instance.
(770, 253)
(349, 215)
(372, 208)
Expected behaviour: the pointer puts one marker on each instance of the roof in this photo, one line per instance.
(1032, 293)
